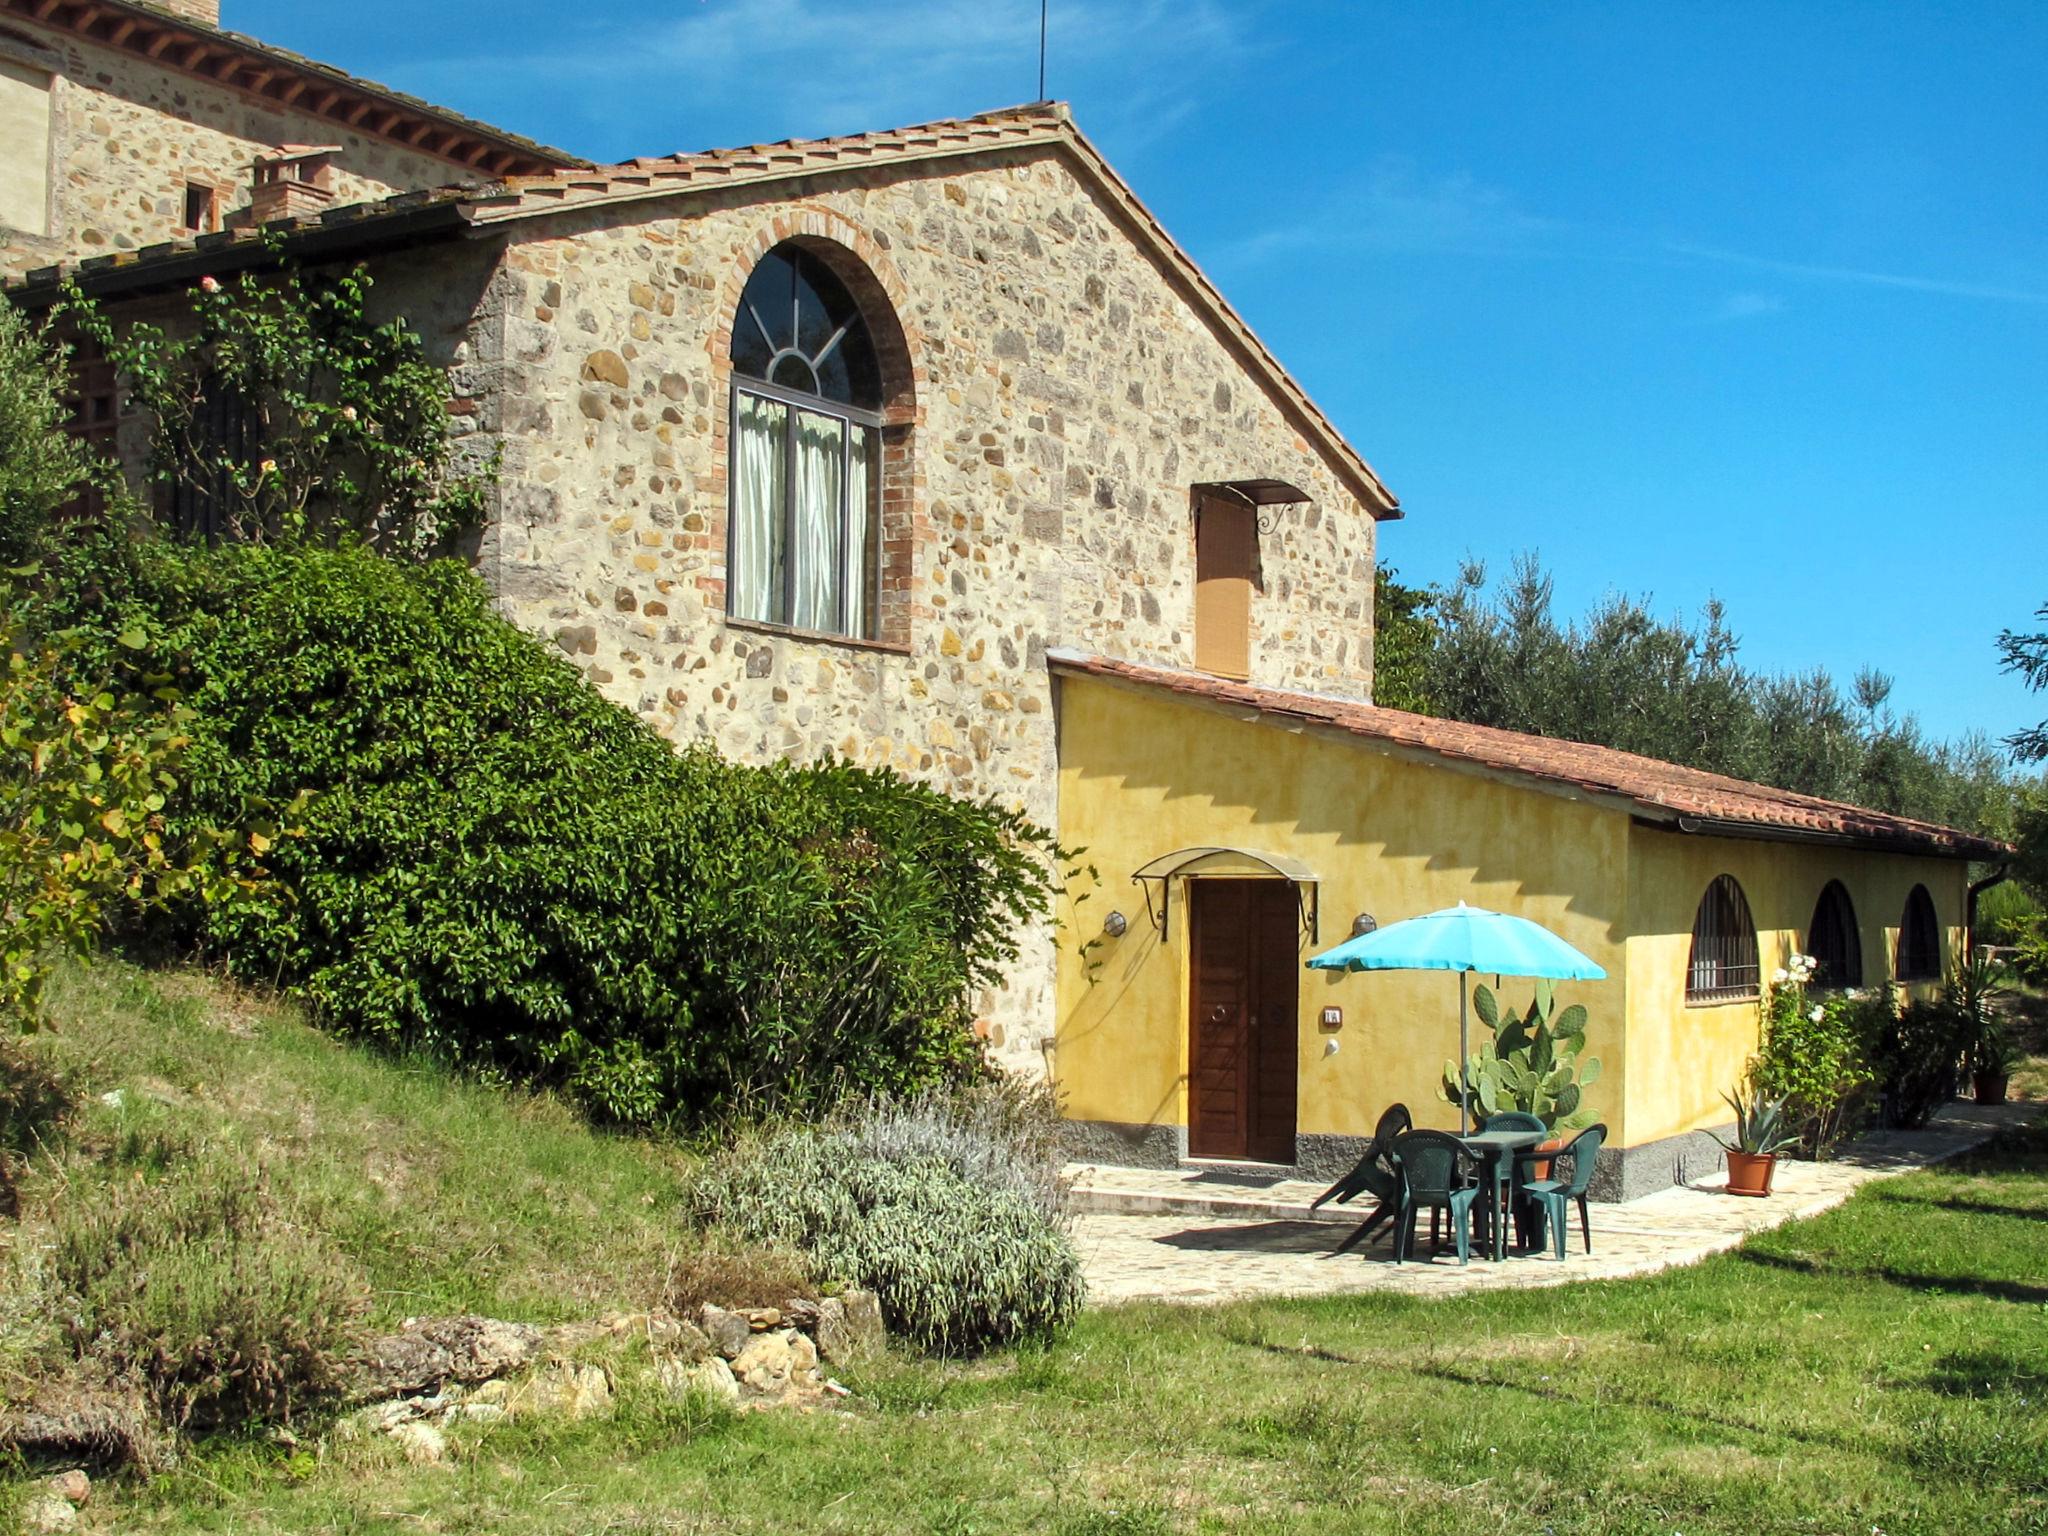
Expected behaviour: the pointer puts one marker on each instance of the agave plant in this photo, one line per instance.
(1759, 1126)
(1534, 1065)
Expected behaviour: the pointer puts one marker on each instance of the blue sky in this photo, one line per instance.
(1740, 300)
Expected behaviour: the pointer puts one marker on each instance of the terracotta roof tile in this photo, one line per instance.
(1664, 791)
(140, 27)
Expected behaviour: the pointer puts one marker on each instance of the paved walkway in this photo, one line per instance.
(1192, 1236)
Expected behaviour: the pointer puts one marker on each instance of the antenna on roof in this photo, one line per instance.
(1042, 5)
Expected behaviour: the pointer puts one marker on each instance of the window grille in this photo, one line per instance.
(1919, 938)
(1722, 967)
(1832, 940)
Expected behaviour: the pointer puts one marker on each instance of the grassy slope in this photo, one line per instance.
(451, 1196)
(1880, 1368)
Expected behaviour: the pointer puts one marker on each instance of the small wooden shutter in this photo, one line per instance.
(1226, 548)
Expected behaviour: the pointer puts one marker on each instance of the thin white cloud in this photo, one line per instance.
(1393, 206)
(728, 71)
(1749, 306)
(1947, 286)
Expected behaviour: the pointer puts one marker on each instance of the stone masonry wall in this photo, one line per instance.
(1066, 399)
(127, 135)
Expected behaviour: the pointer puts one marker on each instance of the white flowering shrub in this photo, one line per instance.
(1815, 1053)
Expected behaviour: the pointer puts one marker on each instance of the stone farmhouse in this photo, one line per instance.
(931, 448)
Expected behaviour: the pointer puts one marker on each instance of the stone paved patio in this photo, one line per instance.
(1193, 1236)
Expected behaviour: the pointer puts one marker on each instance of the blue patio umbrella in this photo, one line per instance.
(1462, 939)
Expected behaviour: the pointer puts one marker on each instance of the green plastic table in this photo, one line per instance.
(1497, 1149)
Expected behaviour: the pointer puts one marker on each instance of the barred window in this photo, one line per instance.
(1832, 940)
(1919, 938)
(1723, 965)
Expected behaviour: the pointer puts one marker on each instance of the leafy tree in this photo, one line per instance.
(85, 779)
(41, 466)
(347, 422)
(1673, 689)
(1404, 635)
(2028, 656)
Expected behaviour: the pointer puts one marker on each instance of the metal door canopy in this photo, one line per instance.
(1216, 862)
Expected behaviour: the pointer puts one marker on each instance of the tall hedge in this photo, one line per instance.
(501, 867)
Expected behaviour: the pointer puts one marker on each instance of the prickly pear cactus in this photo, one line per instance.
(1535, 1064)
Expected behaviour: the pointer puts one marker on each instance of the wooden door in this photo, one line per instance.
(1242, 993)
(1226, 553)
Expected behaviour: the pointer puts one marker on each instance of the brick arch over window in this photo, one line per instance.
(877, 289)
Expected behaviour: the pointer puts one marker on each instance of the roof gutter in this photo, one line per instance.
(1718, 826)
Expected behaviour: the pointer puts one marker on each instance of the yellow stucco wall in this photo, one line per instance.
(1702, 1051)
(1143, 774)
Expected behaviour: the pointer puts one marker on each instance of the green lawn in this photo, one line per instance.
(1883, 1368)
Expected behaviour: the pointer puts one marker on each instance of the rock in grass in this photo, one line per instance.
(713, 1378)
(48, 1512)
(728, 1331)
(562, 1389)
(424, 1444)
(467, 1349)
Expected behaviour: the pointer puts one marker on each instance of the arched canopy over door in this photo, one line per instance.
(1221, 862)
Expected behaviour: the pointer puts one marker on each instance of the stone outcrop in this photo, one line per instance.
(428, 1353)
(443, 1373)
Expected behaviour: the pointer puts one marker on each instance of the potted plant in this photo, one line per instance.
(1535, 1066)
(1973, 990)
(1759, 1137)
(1993, 1056)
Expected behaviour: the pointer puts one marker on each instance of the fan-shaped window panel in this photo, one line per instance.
(1832, 940)
(1919, 956)
(1722, 967)
(806, 475)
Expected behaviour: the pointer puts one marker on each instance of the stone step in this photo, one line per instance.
(1172, 1194)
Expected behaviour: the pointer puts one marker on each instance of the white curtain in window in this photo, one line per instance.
(757, 548)
(820, 458)
(860, 534)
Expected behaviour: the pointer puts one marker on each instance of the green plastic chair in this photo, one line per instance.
(1555, 1196)
(1438, 1173)
(1374, 1175)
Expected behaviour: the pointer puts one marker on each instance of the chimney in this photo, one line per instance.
(292, 181)
(207, 11)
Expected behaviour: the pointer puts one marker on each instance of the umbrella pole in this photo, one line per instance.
(1464, 1055)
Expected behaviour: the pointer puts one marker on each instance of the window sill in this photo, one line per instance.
(816, 636)
(1733, 1000)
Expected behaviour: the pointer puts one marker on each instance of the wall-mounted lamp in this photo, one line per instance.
(1115, 925)
(1363, 924)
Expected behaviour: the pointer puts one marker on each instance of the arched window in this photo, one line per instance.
(1723, 965)
(805, 521)
(1919, 956)
(1832, 940)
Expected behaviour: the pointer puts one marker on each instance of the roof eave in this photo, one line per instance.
(162, 269)
(184, 45)
(1932, 844)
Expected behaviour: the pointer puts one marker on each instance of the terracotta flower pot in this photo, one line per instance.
(1749, 1173)
(1541, 1170)
(1990, 1087)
